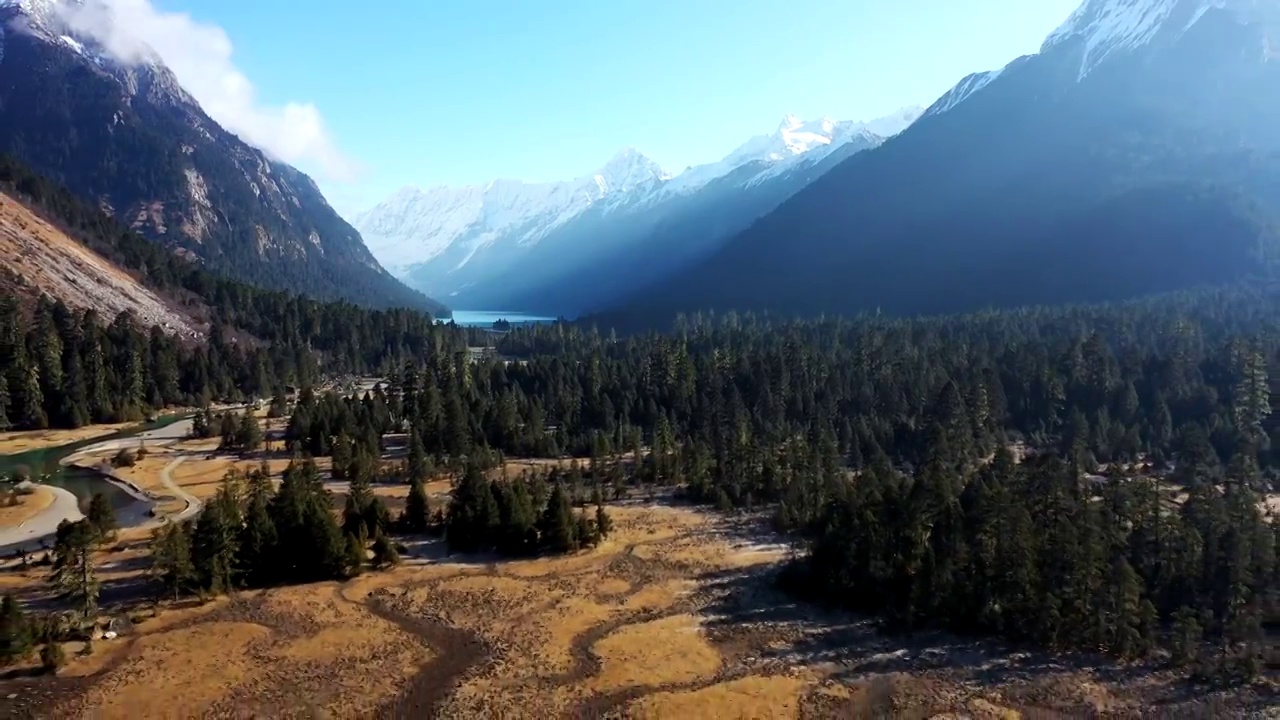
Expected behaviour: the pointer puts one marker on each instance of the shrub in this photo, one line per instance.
(124, 458)
(52, 657)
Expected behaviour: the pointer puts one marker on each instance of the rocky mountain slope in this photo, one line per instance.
(572, 246)
(39, 258)
(123, 132)
(1136, 153)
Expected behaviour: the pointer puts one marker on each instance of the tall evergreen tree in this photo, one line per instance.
(73, 571)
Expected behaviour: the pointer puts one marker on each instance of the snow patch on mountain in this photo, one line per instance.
(794, 143)
(1106, 28)
(963, 91)
(416, 226)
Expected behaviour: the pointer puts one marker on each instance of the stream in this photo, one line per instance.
(80, 482)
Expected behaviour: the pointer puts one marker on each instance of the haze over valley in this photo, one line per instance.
(513, 360)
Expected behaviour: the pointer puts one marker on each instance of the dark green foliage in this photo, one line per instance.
(65, 369)
(354, 557)
(918, 510)
(172, 567)
(384, 553)
(417, 510)
(474, 516)
(124, 459)
(16, 634)
(52, 657)
(310, 544)
(73, 572)
(604, 524)
(215, 538)
(101, 516)
(258, 539)
(559, 529)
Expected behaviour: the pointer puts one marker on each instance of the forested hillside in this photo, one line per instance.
(1087, 478)
(123, 133)
(67, 368)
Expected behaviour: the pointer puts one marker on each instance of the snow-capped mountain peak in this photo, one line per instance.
(795, 141)
(1107, 27)
(627, 170)
(453, 227)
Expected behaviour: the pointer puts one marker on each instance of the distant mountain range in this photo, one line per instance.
(1137, 152)
(574, 246)
(125, 134)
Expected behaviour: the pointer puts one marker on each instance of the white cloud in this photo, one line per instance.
(199, 55)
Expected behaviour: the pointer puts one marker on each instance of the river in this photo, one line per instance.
(80, 482)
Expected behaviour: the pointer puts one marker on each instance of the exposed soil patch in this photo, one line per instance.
(44, 259)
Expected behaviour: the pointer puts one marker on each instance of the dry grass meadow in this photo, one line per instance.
(28, 505)
(22, 441)
(675, 616)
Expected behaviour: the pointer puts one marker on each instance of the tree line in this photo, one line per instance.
(1126, 521)
(251, 534)
(1147, 429)
(254, 341)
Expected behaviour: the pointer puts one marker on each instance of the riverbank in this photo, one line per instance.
(136, 508)
(20, 504)
(35, 531)
(14, 443)
(150, 509)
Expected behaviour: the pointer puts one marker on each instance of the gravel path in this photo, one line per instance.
(194, 504)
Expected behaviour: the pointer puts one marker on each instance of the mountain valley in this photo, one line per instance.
(966, 412)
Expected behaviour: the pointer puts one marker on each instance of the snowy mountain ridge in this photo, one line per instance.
(416, 226)
(1108, 27)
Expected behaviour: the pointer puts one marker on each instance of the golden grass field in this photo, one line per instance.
(675, 615)
(28, 440)
(28, 506)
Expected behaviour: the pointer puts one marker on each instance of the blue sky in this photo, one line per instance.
(463, 91)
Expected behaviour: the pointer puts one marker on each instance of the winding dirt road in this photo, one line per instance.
(33, 534)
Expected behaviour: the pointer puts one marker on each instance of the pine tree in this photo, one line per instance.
(559, 528)
(419, 465)
(248, 436)
(384, 553)
(101, 516)
(1252, 403)
(417, 509)
(1187, 636)
(16, 636)
(604, 523)
(356, 513)
(214, 540)
(474, 514)
(354, 558)
(341, 456)
(73, 572)
(257, 544)
(52, 657)
(311, 546)
(5, 423)
(171, 563)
